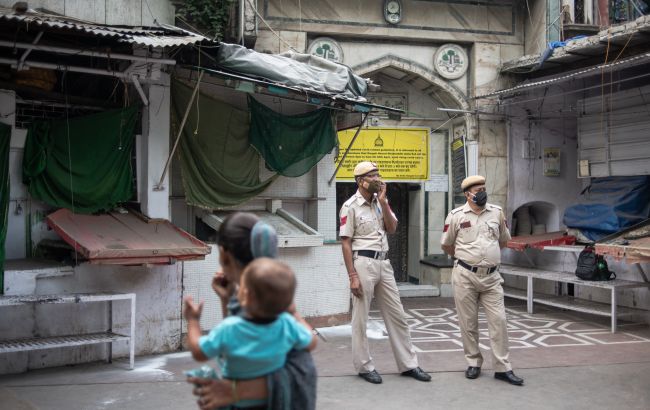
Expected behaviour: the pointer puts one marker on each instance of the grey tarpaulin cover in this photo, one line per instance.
(293, 69)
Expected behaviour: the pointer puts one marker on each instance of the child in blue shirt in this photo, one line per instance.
(257, 342)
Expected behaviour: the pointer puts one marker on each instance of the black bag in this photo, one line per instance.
(592, 266)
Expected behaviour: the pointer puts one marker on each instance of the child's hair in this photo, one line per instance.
(271, 284)
(246, 237)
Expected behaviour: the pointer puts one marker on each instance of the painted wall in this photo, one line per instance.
(422, 20)
(120, 12)
(322, 282)
(158, 314)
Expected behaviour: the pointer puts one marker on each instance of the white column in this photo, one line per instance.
(154, 150)
(322, 214)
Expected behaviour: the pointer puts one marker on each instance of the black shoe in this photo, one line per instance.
(417, 374)
(509, 377)
(371, 377)
(472, 372)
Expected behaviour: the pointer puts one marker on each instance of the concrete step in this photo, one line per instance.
(410, 290)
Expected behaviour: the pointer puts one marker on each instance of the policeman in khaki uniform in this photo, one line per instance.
(366, 220)
(474, 234)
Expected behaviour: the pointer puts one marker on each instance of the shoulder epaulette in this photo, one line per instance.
(495, 207)
(453, 211)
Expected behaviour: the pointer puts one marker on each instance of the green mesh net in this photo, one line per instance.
(291, 144)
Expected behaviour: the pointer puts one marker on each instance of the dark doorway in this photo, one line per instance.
(398, 195)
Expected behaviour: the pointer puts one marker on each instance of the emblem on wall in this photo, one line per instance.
(326, 48)
(450, 61)
(393, 11)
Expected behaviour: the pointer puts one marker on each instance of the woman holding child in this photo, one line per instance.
(264, 342)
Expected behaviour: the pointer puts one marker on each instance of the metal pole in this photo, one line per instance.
(158, 186)
(81, 52)
(345, 154)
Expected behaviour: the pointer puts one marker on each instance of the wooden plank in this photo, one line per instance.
(519, 243)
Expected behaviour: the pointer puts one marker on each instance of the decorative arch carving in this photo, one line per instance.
(454, 95)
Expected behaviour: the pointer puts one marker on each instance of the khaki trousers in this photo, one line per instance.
(377, 280)
(470, 289)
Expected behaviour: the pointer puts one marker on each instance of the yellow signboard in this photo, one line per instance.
(402, 154)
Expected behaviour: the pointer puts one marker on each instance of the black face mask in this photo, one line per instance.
(480, 198)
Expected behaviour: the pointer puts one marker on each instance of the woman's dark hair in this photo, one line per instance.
(235, 235)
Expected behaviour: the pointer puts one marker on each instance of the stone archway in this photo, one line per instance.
(439, 88)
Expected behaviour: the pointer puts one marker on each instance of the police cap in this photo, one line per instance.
(471, 181)
(364, 167)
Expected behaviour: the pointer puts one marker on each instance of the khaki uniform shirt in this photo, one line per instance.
(364, 223)
(476, 237)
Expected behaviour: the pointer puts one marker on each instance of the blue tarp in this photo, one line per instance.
(610, 204)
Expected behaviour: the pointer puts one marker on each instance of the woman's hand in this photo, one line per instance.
(222, 286)
(211, 393)
(214, 393)
(192, 311)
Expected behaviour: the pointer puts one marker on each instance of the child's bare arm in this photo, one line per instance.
(192, 313)
(314, 340)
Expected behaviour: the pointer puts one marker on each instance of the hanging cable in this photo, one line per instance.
(198, 96)
(67, 129)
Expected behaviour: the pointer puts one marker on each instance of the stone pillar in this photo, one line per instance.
(491, 132)
(154, 150)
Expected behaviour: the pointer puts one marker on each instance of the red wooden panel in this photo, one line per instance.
(114, 237)
(520, 243)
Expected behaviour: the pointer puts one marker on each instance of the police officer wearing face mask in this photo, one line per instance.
(474, 234)
(366, 220)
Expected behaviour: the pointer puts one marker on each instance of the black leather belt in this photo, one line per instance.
(476, 268)
(371, 254)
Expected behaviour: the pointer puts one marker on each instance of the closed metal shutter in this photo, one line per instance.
(614, 134)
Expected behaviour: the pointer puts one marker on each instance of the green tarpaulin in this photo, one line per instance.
(84, 163)
(291, 144)
(5, 140)
(219, 166)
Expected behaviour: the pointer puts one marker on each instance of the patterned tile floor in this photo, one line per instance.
(547, 338)
(436, 330)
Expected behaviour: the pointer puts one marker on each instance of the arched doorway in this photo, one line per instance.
(421, 213)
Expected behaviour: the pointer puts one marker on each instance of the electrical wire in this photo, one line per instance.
(636, 77)
(155, 20)
(444, 123)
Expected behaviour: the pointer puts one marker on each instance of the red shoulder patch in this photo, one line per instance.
(344, 219)
(446, 228)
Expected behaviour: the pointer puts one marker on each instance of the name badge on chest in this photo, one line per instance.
(466, 224)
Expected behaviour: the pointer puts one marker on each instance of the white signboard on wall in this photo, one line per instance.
(437, 183)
